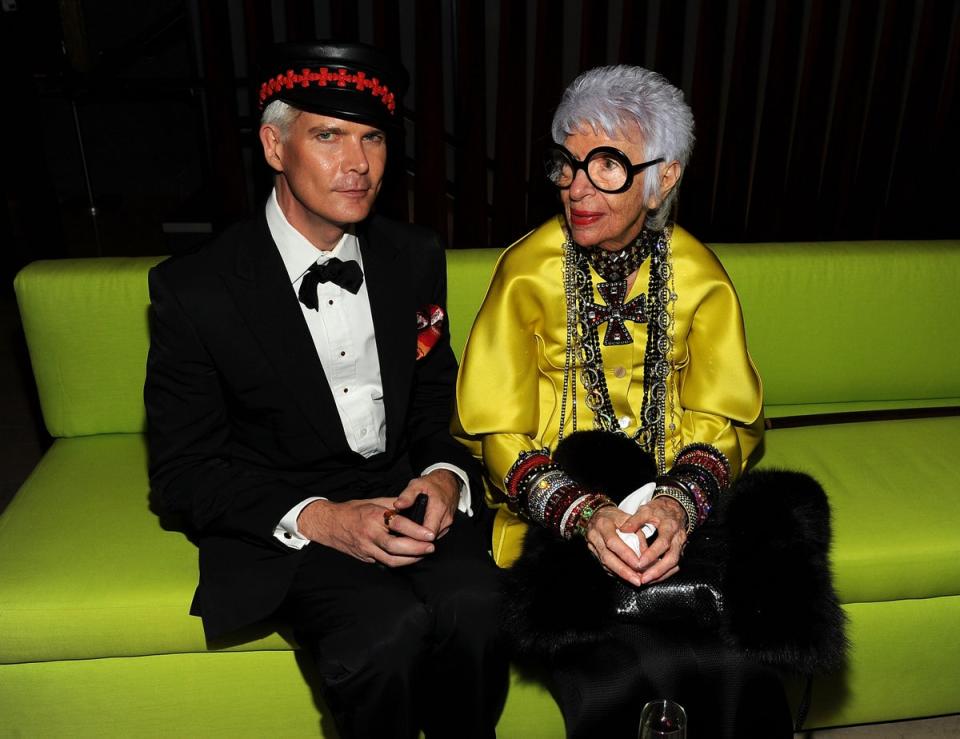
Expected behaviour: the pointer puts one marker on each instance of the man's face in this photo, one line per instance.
(331, 169)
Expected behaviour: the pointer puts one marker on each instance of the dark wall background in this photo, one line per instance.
(128, 127)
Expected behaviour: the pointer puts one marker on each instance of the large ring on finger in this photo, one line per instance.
(388, 516)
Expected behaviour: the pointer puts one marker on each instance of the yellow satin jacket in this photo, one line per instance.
(510, 384)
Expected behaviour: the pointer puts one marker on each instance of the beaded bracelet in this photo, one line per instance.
(685, 501)
(708, 456)
(529, 465)
(587, 512)
(540, 491)
(527, 461)
(703, 472)
(560, 506)
(698, 483)
(571, 516)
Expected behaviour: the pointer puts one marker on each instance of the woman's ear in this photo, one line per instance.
(669, 177)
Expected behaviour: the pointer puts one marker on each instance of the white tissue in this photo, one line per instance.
(629, 505)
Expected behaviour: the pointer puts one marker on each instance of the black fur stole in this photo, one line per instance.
(757, 570)
(781, 605)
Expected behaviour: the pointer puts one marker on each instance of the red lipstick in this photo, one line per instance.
(584, 217)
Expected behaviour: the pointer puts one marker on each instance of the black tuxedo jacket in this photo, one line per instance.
(242, 424)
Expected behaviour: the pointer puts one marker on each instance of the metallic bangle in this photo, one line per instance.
(543, 488)
(685, 501)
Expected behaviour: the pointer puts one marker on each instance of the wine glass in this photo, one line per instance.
(663, 719)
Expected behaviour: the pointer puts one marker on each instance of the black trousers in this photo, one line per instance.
(602, 692)
(404, 649)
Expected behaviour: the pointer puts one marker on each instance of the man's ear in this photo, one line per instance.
(272, 142)
(669, 177)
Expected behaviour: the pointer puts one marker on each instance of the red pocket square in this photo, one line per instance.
(429, 322)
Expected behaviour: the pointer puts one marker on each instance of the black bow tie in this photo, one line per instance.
(347, 275)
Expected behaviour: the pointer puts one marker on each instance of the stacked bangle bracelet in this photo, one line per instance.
(683, 498)
(699, 475)
(543, 493)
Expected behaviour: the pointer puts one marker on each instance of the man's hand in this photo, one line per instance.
(443, 497)
(358, 528)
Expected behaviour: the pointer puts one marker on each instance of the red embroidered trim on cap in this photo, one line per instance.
(323, 77)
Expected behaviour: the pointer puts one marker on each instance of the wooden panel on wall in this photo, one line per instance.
(548, 74)
(810, 116)
(430, 175)
(815, 119)
(510, 161)
(470, 184)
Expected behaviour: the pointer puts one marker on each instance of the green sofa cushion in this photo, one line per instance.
(110, 582)
(205, 695)
(188, 696)
(886, 545)
(139, 578)
(904, 662)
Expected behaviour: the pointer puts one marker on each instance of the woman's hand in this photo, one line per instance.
(659, 560)
(611, 551)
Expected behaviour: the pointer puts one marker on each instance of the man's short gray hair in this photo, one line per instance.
(281, 115)
(615, 100)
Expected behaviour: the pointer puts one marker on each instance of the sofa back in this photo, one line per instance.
(831, 326)
(87, 330)
(837, 326)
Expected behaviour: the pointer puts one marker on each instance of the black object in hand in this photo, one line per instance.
(418, 510)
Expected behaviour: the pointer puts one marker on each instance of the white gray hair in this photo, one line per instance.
(281, 115)
(615, 100)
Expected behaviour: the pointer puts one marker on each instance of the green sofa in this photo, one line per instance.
(95, 639)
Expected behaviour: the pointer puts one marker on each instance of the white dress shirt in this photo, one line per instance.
(343, 335)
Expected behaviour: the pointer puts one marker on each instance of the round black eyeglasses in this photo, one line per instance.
(608, 169)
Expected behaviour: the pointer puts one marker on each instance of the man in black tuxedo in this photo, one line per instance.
(298, 395)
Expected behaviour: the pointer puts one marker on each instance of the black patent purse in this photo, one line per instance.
(693, 597)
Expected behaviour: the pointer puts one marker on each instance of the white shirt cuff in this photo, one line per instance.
(287, 532)
(465, 499)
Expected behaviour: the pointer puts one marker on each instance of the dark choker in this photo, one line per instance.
(616, 266)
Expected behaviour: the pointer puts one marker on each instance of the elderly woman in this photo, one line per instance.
(611, 317)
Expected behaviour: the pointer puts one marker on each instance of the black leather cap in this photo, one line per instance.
(351, 81)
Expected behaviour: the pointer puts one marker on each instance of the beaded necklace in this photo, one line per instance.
(617, 266)
(583, 343)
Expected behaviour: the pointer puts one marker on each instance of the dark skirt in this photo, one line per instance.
(602, 690)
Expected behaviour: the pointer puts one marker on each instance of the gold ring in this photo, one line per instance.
(388, 516)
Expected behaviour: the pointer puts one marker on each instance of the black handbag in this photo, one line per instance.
(693, 597)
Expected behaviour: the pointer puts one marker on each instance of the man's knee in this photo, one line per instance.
(386, 645)
(471, 609)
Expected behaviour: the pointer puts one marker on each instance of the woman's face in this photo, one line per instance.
(603, 219)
